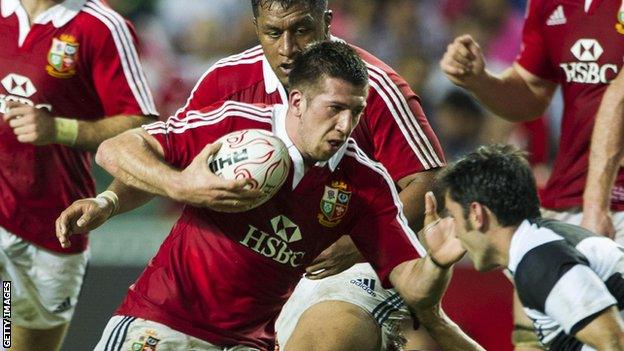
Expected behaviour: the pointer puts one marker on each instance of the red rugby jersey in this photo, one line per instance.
(78, 60)
(393, 129)
(578, 45)
(224, 277)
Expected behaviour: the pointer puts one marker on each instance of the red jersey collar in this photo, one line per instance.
(279, 129)
(59, 14)
(271, 82)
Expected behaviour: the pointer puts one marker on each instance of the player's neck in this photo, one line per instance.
(35, 7)
(501, 241)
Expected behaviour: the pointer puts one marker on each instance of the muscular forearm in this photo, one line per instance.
(129, 197)
(420, 282)
(511, 96)
(92, 133)
(607, 148)
(445, 332)
(132, 160)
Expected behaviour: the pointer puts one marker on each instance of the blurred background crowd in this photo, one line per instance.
(181, 39)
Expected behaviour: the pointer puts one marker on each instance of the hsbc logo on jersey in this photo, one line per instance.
(16, 84)
(19, 88)
(275, 246)
(588, 51)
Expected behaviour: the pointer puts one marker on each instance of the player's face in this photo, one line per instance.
(327, 115)
(284, 32)
(474, 241)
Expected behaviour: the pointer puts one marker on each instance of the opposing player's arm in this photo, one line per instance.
(606, 153)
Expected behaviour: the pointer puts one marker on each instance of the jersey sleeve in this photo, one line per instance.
(533, 52)
(402, 139)
(556, 280)
(116, 71)
(381, 232)
(183, 138)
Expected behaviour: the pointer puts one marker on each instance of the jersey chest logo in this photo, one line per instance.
(63, 56)
(276, 245)
(586, 69)
(334, 204)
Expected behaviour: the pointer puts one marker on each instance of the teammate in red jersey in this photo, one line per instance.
(64, 67)
(221, 278)
(577, 46)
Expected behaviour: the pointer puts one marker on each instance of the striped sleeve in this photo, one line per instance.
(403, 141)
(183, 138)
(210, 88)
(381, 232)
(116, 70)
(556, 279)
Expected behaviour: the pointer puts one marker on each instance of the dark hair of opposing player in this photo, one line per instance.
(497, 176)
(318, 6)
(333, 59)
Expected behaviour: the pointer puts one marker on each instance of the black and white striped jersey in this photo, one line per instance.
(565, 276)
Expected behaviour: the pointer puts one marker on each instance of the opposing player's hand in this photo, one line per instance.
(463, 62)
(30, 124)
(80, 217)
(339, 257)
(599, 222)
(438, 235)
(200, 187)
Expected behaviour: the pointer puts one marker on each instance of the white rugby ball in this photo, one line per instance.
(254, 154)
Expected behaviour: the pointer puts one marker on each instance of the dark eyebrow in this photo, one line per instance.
(304, 21)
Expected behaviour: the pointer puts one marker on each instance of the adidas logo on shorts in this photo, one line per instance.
(366, 284)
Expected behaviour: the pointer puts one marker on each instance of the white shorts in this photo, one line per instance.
(575, 217)
(123, 333)
(44, 285)
(358, 285)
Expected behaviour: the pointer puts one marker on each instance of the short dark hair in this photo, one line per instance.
(318, 6)
(497, 176)
(333, 59)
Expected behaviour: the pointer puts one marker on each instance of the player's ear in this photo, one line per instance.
(478, 216)
(296, 102)
(328, 17)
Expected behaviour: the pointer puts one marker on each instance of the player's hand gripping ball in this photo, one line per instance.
(255, 154)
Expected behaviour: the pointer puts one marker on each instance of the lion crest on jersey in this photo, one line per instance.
(63, 56)
(334, 204)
